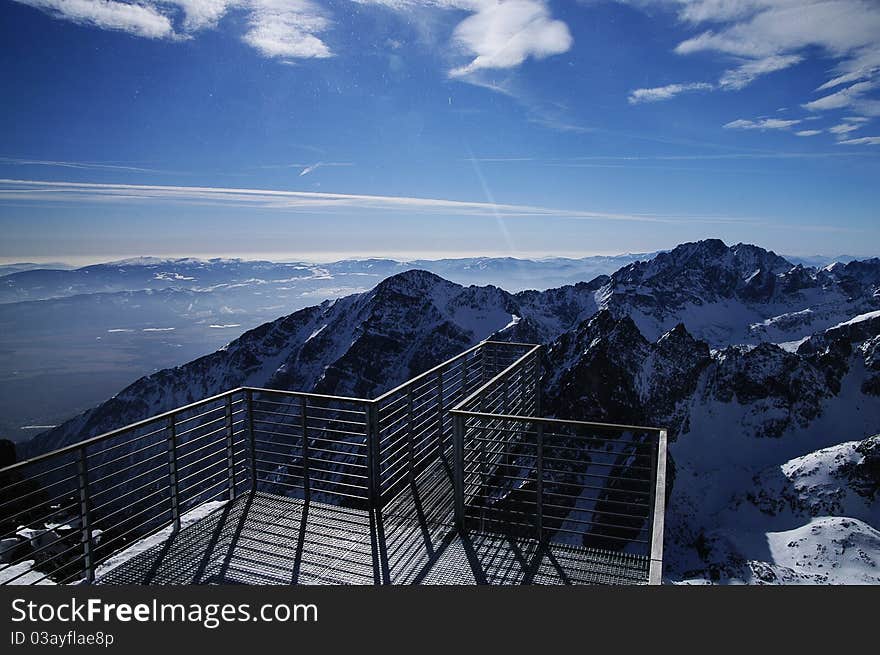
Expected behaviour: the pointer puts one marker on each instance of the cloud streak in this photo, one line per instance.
(18, 161)
(862, 141)
(761, 124)
(307, 201)
(657, 93)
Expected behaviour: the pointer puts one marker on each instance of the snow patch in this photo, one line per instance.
(858, 319)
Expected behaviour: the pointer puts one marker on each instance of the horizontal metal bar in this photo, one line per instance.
(448, 362)
(42, 489)
(120, 444)
(322, 430)
(554, 421)
(156, 444)
(97, 482)
(112, 433)
(303, 394)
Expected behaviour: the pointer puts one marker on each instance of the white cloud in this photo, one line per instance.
(308, 201)
(808, 132)
(140, 20)
(761, 124)
(287, 29)
(665, 92)
(771, 27)
(862, 141)
(202, 14)
(766, 36)
(504, 33)
(284, 29)
(843, 98)
(741, 77)
(849, 124)
(498, 34)
(843, 128)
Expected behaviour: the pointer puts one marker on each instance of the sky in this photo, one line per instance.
(323, 129)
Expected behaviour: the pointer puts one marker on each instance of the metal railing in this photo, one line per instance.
(64, 513)
(558, 481)
(92, 499)
(413, 420)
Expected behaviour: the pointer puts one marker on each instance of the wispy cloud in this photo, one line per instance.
(18, 161)
(306, 201)
(847, 97)
(808, 132)
(766, 36)
(311, 168)
(761, 124)
(862, 141)
(844, 128)
(743, 75)
(737, 156)
(143, 20)
(658, 93)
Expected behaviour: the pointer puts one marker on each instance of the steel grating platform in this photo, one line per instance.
(262, 538)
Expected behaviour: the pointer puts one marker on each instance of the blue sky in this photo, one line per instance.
(318, 129)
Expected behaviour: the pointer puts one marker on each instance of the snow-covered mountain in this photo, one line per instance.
(359, 345)
(671, 342)
(741, 294)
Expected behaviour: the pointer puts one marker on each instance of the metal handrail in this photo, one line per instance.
(117, 431)
(558, 421)
(482, 389)
(409, 450)
(472, 408)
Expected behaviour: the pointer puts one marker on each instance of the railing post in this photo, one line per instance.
(172, 473)
(410, 446)
(307, 475)
(538, 367)
(82, 475)
(230, 458)
(658, 508)
(539, 481)
(464, 377)
(440, 449)
(458, 470)
(252, 442)
(374, 477)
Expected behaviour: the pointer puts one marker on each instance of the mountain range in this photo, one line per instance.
(69, 338)
(766, 372)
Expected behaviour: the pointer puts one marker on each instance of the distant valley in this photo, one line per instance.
(69, 338)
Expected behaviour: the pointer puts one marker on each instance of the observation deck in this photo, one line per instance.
(454, 477)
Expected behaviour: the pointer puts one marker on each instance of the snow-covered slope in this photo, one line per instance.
(813, 519)
(732, 413)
